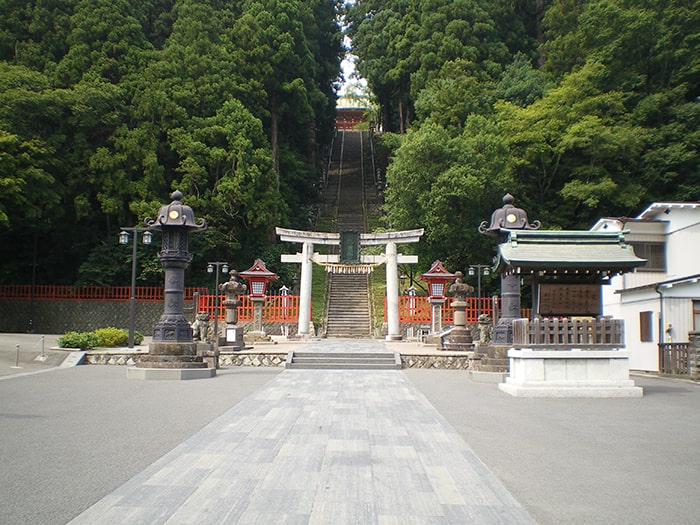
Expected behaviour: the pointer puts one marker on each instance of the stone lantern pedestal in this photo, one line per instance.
(460, 337)
(258, 334)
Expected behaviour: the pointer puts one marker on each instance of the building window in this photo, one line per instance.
(654, 253)
(646, 332)
(696, 316)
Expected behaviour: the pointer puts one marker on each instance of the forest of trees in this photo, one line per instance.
(579, 108)
(107, 106)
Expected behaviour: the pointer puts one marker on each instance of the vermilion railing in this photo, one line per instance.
(277, 308)
(417, 309)
(88, 293)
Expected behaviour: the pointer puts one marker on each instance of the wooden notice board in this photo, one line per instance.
(569, 300)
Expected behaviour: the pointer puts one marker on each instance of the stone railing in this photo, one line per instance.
(603, 333)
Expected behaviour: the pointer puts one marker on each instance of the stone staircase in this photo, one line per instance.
(344, 360)
(348, 312)
(348, 305)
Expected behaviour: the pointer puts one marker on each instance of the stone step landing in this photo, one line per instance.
(344, 360)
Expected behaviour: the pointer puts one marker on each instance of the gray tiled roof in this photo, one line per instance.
(567, 249)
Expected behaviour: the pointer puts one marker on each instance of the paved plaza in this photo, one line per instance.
(266, 445)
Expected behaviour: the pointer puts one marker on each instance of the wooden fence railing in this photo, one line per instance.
(673, 358)
(88, 293)
(568, 333)
(277, 308)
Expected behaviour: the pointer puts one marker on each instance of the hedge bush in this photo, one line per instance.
(109, 337)
(84, 340)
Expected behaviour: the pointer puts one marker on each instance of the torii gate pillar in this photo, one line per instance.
(392, 293)
(305, 281)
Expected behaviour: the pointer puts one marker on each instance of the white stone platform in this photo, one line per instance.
(171, 374)
(569, 373)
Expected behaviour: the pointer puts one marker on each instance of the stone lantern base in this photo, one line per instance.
(171, 360)
(459, 339)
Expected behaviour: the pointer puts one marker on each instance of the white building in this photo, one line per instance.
(660, 301)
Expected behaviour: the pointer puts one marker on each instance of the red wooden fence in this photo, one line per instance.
(277, 308)
(88, 293)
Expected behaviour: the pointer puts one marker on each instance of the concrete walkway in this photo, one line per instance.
(318, 447)
(263, 445)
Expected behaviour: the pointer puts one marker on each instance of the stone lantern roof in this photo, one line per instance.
(176, 215)
(508, 218)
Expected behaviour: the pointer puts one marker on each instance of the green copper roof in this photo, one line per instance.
(583, 250)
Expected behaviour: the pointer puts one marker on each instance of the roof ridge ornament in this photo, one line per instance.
(508, 217)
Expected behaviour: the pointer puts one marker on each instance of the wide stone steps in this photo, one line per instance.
(344, 360)
(348, 306)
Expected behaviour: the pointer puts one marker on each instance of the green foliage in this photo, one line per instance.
(111, 337)
(108, 337)
(106, 107)
(580, 109)
(599, 121)
(83, 340)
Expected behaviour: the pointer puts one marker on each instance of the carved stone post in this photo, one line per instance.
(233, 288)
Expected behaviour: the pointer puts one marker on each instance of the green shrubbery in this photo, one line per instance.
(109, 337)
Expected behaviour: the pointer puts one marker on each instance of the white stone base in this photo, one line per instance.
(172, 374)
(569, 373)
(478, 376)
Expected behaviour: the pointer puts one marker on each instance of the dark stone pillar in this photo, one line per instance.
(172, 325)
(510, 309)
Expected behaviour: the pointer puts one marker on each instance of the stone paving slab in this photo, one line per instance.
(318, 447)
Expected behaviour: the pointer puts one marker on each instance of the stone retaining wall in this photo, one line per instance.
(59, 317)
(260, 359)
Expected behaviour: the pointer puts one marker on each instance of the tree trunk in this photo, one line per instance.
(274, 145)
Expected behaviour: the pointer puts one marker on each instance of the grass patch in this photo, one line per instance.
(377, 293)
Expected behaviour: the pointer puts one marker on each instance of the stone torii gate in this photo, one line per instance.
(364, 264)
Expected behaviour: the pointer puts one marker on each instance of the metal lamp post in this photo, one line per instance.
(124, 239)
(213, 267)
(479, 270)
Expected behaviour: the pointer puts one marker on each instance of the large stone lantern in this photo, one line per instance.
(175, 221)
(504, 220)
(172, 346)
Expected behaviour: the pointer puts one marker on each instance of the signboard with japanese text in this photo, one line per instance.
(569, 300)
